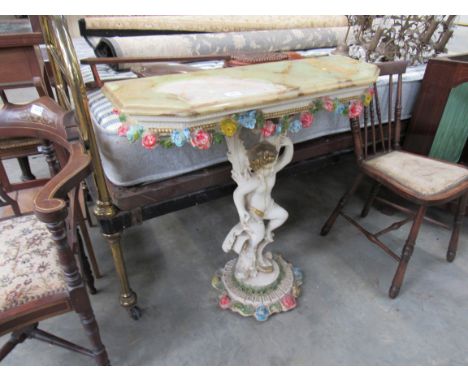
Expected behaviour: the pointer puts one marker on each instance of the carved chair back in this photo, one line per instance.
(58, 199)
(374, 139)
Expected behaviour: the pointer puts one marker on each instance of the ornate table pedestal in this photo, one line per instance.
(262, 295)
(256, 283)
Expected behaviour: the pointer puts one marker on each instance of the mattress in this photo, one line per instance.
(126, 164)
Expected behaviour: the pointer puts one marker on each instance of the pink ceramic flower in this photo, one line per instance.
(288, 302)
(307, 119)
(224, 301)
(268, 129)
(123, 130)
(201, 139)
(115, 111)
(149, 141)
(355, 109)
(328, 104)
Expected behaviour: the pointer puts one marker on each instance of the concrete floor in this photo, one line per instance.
(344, 316)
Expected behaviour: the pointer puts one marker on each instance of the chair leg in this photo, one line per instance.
(85, 267)
(406, 253)
(26, 173)
(87, 198)
(370, 200)
(92, 330)
(128, 298)
(6, 200)
(88, 244)
(331, 220)
(16, 338)
(457, 223)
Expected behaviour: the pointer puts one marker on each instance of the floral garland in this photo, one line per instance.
(254, 120)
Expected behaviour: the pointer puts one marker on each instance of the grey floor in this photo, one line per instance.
(344, 316)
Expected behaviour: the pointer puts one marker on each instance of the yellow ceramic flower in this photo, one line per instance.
(228, 127)
(367, 99)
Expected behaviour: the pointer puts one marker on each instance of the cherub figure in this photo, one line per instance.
(255, 174)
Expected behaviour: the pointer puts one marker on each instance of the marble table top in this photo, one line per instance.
(229, 90)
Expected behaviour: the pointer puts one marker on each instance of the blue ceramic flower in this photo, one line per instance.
(179, 137)
(262, 313)
(298, 275)
(295, 126)
(248, 119)
(134, 133)
(340, 108)
(279, 128)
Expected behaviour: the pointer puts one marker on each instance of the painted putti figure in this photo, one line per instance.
(255, 174)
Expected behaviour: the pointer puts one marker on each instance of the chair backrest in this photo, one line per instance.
(374, 138)
(69, 81)
(43, 119)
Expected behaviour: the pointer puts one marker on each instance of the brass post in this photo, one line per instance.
(66, 69)
(65, 64)
(128, 297)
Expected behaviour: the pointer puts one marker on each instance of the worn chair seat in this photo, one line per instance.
(29, 266)
(424, 178)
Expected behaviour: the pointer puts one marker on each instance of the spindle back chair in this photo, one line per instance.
(418, 179)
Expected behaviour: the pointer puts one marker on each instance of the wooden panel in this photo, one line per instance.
(18, 65)
(441, 76)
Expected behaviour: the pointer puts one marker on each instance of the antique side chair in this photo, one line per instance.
(39, 277)
(418, 179)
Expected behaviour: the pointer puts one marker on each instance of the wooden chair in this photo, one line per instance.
(418, 179)
(38, 273)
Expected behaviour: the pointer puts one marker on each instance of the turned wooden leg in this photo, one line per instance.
(406, 253)
(26, 173)
(370, 200)
(457, 223)
(78, 296)
(331, 220)
(47, 149)
(128, 298)
(92, 330)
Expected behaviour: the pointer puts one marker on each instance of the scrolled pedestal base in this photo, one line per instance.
(262, 295)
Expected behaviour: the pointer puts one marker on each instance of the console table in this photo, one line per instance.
(253, 108)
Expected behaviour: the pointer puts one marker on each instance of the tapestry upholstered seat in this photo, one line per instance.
(421, 176)
(29, 266)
